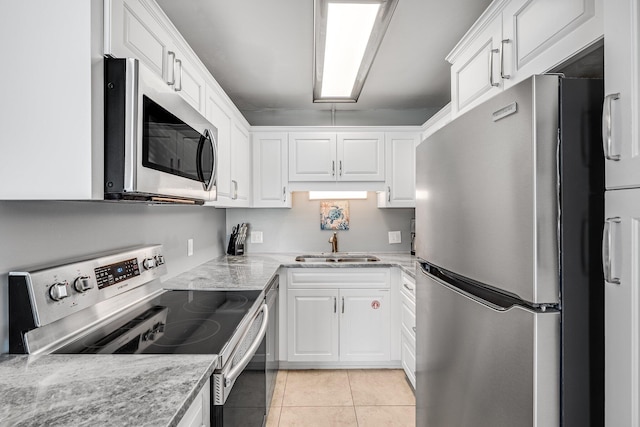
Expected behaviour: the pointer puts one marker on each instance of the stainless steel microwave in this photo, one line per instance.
(158, 148)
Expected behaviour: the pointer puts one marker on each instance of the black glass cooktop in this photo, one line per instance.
(175, 322)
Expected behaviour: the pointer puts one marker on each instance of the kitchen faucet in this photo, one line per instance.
(334, 242)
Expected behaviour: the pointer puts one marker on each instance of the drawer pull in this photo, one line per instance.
(407, 287)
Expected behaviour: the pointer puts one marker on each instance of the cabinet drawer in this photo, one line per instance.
(370, 278)
(408, 358)
(408, 316)
(408, 288)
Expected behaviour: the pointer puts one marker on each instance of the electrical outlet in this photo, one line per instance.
(189, 247)
(395, 237)
(256, 237)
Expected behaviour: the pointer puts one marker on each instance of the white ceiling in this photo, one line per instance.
(261, 53)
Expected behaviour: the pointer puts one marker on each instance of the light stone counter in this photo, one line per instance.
(254, 271)
(100, 390)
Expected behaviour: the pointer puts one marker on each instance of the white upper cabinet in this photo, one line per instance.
(515, 39)
(312, 156)
(52, 100)
(540, 34)
(233, 177)
(475, 72)
(139, 29)
(221, 120)
(270, 170)
(400, 159)
(621, 133)
(323, 156)
(360, 156)
(240, 164)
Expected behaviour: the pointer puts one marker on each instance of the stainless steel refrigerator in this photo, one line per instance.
(509, 219)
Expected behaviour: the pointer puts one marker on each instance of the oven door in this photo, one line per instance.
(239, 388)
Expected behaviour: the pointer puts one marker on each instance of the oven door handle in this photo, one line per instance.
(231, 375)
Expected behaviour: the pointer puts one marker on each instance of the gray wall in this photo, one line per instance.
(298, 229)
(33, 233)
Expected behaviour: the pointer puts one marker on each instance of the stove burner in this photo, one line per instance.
(220, 303)
(180, 334)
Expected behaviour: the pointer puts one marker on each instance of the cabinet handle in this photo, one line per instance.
(335, 304)
(491, 52)
(502, 74)
(171, 81)
(607, 241)
(284, 194)
(389, 194)
(407, 287)
(607, 124)
(178, 86)
(342, 305)
(340, 167)
(333, 168)
(235, 189)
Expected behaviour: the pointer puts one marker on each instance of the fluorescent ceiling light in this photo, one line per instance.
(347, 36)
(335, 195)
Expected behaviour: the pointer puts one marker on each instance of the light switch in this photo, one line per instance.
(256, 237)
(395, 237)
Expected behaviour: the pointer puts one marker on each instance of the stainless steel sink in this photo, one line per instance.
(337, 258)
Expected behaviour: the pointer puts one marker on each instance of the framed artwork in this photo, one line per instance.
(334, 215)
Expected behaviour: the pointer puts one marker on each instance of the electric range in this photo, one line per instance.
(113, 303)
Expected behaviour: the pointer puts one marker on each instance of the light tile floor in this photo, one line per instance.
(354, 397)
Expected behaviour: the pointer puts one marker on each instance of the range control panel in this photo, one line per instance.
(59, 291)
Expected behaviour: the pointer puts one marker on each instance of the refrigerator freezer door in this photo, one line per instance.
(486, 200)
(477, 366)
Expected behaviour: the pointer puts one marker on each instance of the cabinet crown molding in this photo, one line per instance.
(493, 10)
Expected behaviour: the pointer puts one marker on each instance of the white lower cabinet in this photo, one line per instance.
(622, 307)
(407, 329)
(198, 414)
(339, 316)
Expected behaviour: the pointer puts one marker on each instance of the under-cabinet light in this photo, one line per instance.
(337, 195)
(347, 36)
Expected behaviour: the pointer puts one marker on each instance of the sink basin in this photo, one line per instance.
(337, 258)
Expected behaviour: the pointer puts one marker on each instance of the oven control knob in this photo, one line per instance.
(82, 284)
(149, 263)
(58, 291)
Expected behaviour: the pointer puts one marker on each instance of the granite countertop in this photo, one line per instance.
(93, 390)
(254, 271)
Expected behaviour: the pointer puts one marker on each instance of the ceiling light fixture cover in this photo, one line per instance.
(347, 35)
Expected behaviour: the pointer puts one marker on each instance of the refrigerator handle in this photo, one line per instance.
(607, 242)
(607, 126)
(490, 299)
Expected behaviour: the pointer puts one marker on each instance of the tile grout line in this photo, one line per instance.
(352, 399)
(284, 390)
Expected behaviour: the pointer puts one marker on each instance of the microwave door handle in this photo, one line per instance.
(208, 136)
(231, 375)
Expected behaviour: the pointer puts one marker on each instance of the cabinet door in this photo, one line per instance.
(132, 31)
(189, 83)
(197, 415)
(400, 161)
(270, 173)
(539, 34)
(408, 357)
(240, 161)
(312, 157)
(622, 307)
(360, 156)
(220, 119)
(475, 74)
(365, 316)
(312, 330)
(622, 88)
